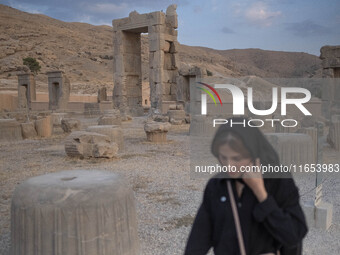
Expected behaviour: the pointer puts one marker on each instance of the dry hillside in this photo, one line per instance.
(84, 52)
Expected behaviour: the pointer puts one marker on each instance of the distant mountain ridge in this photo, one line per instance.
(85, 52)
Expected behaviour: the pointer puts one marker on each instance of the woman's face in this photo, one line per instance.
(228, 157)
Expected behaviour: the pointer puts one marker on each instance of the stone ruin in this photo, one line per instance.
(162, 33)
(330, 56)
(26, 90)
(156, 131)
(74, 212)
(187, 77)
(58, 90)
(102, 95)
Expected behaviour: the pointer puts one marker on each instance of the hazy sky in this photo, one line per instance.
(285, 25)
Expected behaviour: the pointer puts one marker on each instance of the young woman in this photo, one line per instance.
(270, 216)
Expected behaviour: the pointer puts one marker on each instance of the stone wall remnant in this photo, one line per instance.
(26, 90)
(163, 59)
(58, 90)
(330, 56)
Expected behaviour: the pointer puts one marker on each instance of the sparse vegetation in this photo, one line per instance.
(209, 73)
(32, 64)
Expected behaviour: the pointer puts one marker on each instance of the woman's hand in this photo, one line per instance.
(255, 182)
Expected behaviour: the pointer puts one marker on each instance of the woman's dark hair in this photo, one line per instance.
(235, 143)
(252, 138)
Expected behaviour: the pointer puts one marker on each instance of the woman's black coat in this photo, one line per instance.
(276, 223)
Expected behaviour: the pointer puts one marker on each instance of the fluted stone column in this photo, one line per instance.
(74, 212)
(292, 148)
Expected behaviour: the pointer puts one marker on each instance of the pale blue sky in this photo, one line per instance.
(285, 25)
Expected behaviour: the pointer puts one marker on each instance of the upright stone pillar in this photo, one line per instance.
(58, 90)
(26, 90)
(102, 95)
(127, 92)
(330, 56)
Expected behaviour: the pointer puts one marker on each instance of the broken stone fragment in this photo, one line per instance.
(176, 114)
(28, 130)
(156, 131)
(69, 125)
(114, 132)
(90, 145)
(110, 120)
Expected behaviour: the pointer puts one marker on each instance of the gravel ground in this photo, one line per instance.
(166, 198)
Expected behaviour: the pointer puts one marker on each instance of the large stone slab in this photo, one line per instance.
(10, 130)
(112, 119)
(74, 212)
(90, 145)
(114, 132)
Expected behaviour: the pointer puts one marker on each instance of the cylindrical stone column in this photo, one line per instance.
(76, 212)
(296, 149)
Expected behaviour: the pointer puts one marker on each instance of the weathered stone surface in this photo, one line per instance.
(114, 132)
(177, 122)
(58, 90)
(157, 127)
(179, 107)
(176, 117)
(102, 95)
(330, 51)
(292, 148)
(26, 90)
(57, 118)
(162, 36)
(10, 130)
(91, 109)
(110, 120)
(28, 130)
(172, 107)
(160, 118)
(44, 126)
(156, 137)
(56, 122)
(74, 212)
(125, 117)
(176, 114)
(333, 137)
(313, 133)
(156, 131)
(88, 144)
(70, 124)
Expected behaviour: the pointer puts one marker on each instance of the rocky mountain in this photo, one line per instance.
(85, 52)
